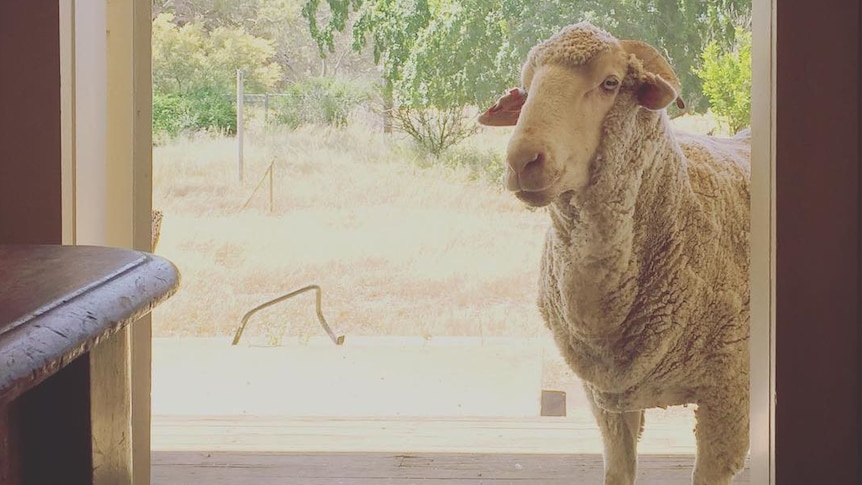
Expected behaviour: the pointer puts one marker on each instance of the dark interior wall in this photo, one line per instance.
(817, 239)
(30, 193)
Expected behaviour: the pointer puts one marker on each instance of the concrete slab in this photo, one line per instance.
(365, 377)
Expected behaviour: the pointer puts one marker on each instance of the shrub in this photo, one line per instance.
(168, 114)
(200, 110)
(322, 100)
(189, 57)
(212, 110)
(194, 74)
(488, 165)
(726, 79)
(434, 130)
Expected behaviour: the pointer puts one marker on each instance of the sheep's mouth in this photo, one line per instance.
(537, 198)
(543, 196)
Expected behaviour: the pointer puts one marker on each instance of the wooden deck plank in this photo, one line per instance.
(263, 450)
(199, 468)
(562, 435)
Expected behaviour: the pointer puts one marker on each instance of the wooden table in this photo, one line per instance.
(57, 303)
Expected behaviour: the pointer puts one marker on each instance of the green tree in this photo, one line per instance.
(487, 41)
(179, 58)
(455, 60)
(388, 27)
(282, 23)
(187, 57)
(447, 70)
(194, 73)
(209, 14)
(438, 53)
(726, 75)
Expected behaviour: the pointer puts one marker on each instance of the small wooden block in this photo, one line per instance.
(553, 403)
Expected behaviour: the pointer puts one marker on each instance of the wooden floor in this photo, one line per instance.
(217, 468)
(384, 413)
(255, 450)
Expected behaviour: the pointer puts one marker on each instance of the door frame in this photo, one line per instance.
(106, 169)
(803, 288)
(762, 349)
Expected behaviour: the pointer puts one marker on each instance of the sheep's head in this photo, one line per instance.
(574, 79)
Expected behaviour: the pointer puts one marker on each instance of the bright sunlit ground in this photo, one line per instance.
(422, 265)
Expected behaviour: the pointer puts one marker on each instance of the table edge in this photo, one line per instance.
(40, 347)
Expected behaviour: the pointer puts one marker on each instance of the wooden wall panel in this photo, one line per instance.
(30, 195)
(817, 274)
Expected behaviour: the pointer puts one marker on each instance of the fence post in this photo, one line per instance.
(271, 168)
(240, 101)
(266, 107)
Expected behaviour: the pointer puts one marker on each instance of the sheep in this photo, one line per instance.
(644, 273)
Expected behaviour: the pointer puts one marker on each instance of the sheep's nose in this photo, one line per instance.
(526, 161)
(525, 168)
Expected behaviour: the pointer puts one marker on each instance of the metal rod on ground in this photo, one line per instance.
(337, 336)
(240, 105)
(271, 168)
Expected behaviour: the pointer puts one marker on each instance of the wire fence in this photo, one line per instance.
(266, 105)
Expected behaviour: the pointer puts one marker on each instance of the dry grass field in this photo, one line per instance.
(401, 246)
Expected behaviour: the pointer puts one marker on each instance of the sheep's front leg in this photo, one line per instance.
(722, 439)
(620, 434)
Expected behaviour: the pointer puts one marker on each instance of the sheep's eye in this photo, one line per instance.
(611, 83)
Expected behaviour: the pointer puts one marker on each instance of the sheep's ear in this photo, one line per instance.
(506, 110)
(661, 86)
(656, 93)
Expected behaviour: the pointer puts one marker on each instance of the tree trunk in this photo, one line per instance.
(388, 104)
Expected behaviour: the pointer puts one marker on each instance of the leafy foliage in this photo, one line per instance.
(726, 78)
(326, 101)
(446, 52)
(488, 164)
(455, 61)
(428, 106)
(432, 56)
(202, 110)
(168, 114)
(194, 74)
(209, 14)
(186, 58)
(447, 70)
(279, 21)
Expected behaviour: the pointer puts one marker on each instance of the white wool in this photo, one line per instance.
(644, 275)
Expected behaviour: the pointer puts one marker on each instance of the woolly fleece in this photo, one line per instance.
(644, 275)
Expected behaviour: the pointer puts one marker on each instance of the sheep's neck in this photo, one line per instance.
(596, 244)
